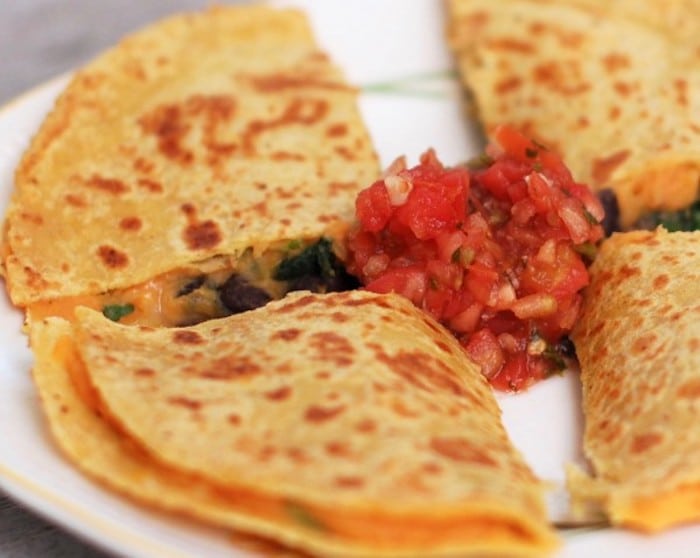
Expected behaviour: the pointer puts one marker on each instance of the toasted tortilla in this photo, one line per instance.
(342, 424)
(638, 343)
(188, 143)
(614, 87)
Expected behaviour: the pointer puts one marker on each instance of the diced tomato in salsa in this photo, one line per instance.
(494, 253)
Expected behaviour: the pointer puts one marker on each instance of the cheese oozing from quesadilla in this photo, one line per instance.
(198, 147)
(341, 424)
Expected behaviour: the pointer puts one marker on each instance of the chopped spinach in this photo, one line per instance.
(687, 219)
(116, 312)
(317, 259)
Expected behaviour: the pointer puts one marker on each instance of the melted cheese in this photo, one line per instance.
(660, 512)
(157, 302)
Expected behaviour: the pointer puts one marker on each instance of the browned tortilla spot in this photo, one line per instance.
(172, 123)
(304, 112)
(337, 130)
(508, 44)
(75, 200)
(273, 83)
(643, 442)
(186, 402)
(337, 449)
(297, 455)
(130, 224)
(231, 368)
(366, 426)
(109, 185)
(422, 371)
(289, 334)
(349, 482)
(112, 258)
(460, 449)
(660, 281)
(202, 236)
(150, 185)
(31, 218)
(432, 468)
(689, 389)
(615, 61)
(279, 394)
(332, 347)
(187, 337)
(315, 413)
(643, 343)
(508, 84)
(603, 167)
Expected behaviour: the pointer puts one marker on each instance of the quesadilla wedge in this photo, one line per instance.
(614, 87)
(638, 343)
(342, 424)
(207, 146)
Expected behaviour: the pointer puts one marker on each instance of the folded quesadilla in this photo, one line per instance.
(207, 147)
(342, 424)
(638, 343)
(614, 87)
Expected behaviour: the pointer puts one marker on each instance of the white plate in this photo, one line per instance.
(395, 50)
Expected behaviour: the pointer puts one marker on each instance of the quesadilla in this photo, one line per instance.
(342, 424)
(614, 87)
(206, 147)
(638, 343)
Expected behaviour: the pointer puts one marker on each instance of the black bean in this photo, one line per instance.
(238, 295)
(611, 221)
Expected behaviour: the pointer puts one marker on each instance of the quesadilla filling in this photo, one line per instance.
(496, 250)
(686, 219)
(217, 288)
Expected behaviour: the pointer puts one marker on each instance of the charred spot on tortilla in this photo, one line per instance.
(187, 338)
(130, 224)
(112, 258)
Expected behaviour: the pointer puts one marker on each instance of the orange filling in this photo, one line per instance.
(159, 302)
(656, 513)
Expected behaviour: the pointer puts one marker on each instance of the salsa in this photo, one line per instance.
(496, 250)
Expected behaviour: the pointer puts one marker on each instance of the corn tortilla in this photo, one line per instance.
(341, 424)
(613, 87)
(638, 343)
(188, 143)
